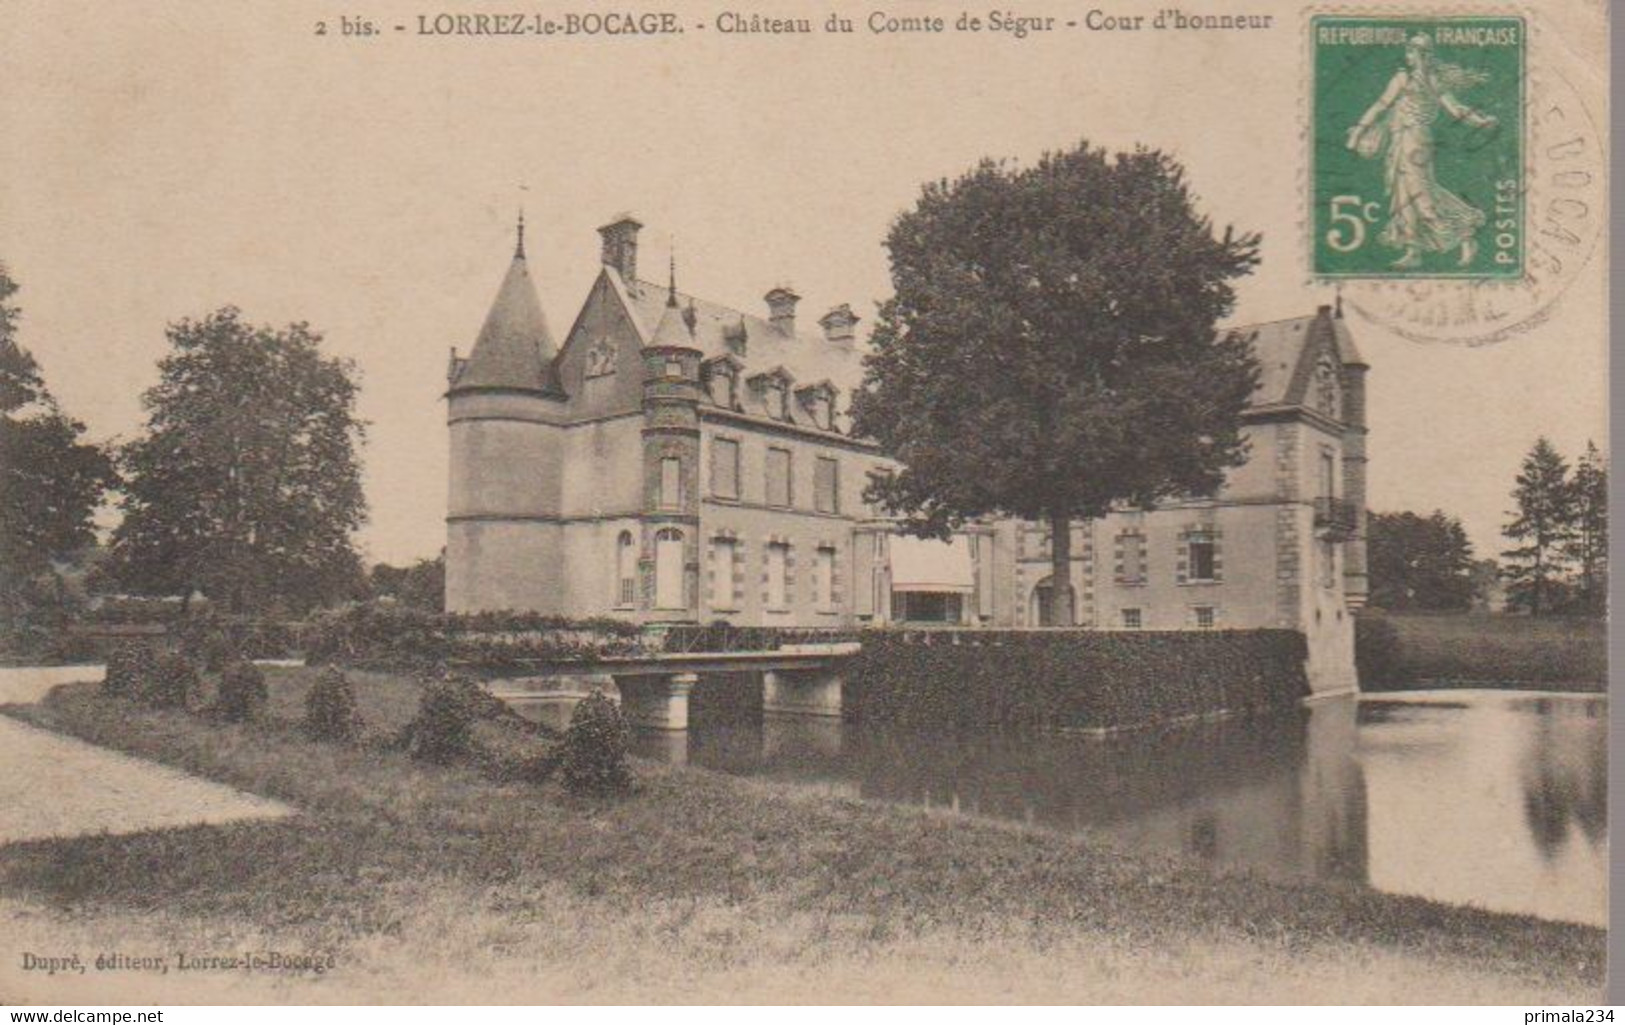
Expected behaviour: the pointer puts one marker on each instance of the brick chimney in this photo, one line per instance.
(621, 247)
(781, 309)
(840, 324)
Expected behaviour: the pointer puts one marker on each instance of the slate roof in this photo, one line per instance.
(808, 358)
(1283, 351)
(515, 348)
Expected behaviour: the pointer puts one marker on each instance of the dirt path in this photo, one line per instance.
(52, 786)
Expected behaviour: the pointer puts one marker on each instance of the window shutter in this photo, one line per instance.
(984, 574)
(837, 597)
(863, 560)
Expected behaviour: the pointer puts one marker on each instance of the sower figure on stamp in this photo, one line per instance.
(1423, 216)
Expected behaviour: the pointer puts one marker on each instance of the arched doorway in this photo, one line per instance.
(1041, 604)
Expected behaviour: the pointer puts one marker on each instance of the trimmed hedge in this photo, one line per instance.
(1407, 652)
(330, 711)
(388, 636)
(594, 749)
(443, 732)
(1070, 678)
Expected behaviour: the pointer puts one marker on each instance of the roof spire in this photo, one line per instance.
(1337, 308)
(671, 296)
(519, 246)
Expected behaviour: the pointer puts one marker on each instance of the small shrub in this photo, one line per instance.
(443, 731)
(593, 759)
(330, 712)
(170, 683)
(243, 692)
(128, 665)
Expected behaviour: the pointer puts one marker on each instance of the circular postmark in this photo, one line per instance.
(1565, 211)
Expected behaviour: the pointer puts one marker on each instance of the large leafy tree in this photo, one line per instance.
(1541, 530)
(1050, 349)
(1588, 543)
(51, 479)
(245, 485)
(1420, 562)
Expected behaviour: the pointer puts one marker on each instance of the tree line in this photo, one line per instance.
(1557, 564)
(243, 484)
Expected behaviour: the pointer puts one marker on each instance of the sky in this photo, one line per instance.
(163, 160)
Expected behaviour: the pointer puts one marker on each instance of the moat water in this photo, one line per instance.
(1487, 798)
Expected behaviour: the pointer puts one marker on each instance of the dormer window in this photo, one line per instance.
(1328, 390)
(722, 382)
(774, 388)
(819, 401)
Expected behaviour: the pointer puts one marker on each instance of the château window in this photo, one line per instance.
(669, 569)
(1328, 473)
(671, 483)
(1204, 616)
(827, 485)
(1200, 551)
(826, 579)
(725, 468)
(1131, 559)
(1327, 389)
(724, 552)
(626, 570)
(778, 568)
(778, 477)
(1131, 619)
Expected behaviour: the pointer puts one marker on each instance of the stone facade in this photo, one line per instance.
(676, 460)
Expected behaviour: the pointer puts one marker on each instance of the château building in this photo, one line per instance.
(677, 460)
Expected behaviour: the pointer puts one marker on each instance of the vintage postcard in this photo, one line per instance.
(803, 502)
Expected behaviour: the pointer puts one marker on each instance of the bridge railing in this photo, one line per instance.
(726, 637)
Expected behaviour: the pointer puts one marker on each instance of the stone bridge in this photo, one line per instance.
(802, 679)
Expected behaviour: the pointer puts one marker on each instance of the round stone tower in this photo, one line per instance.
(503, 406)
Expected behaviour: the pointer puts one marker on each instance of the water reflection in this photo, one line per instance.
(1493, 799)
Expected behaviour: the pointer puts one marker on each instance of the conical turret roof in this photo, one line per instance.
(515, 348)
(672, 330)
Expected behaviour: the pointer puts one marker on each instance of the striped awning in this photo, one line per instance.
(919, 564)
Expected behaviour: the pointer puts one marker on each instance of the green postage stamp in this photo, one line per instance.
(1417, 147)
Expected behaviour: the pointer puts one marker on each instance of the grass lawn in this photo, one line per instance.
(1491, 650)
(438, 884)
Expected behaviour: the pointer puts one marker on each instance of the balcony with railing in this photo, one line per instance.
(1336, 518)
